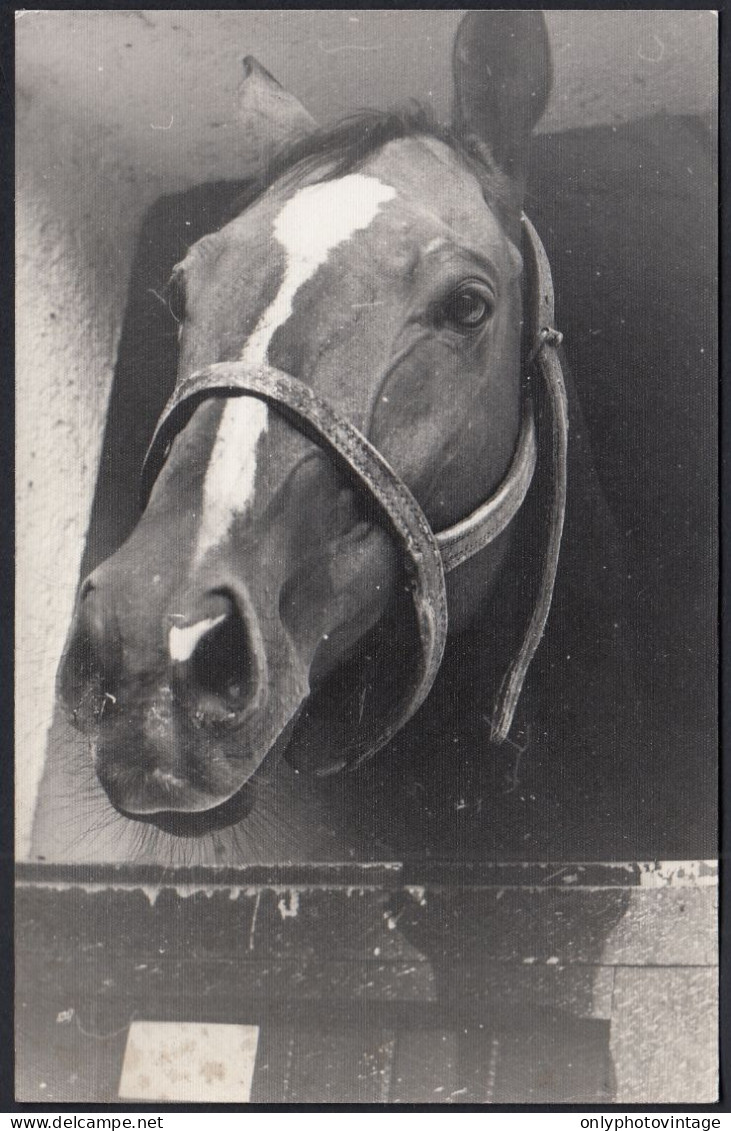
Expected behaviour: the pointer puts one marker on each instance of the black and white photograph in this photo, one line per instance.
(366, 723)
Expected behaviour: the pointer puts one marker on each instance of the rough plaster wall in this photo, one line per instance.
(115, 108)
(76, 226)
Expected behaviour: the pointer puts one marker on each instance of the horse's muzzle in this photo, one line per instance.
(216, 663)
(172, 736)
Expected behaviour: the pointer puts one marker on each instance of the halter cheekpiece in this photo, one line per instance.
(428, 555)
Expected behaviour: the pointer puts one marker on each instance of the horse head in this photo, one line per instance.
(351, 352)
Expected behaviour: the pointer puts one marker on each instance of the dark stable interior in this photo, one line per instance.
(613, 752)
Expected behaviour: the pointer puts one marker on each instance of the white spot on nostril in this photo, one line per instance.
(168, 780)
(182, 642)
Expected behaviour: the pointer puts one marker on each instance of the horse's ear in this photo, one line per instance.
(269, 116)
(502, 80)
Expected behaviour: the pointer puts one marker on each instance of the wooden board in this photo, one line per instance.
(509, 983)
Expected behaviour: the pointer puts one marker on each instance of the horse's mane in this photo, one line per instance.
(334, 151)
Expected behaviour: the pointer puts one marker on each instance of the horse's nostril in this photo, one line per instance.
(90, 672)
(220, 677)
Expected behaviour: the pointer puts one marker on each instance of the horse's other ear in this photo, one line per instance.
(269, 116)
(502, 80)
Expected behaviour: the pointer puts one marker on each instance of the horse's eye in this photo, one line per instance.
(468, 307)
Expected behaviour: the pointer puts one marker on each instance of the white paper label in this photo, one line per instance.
(188, 1062)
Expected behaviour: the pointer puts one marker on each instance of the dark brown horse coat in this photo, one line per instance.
(619, 693)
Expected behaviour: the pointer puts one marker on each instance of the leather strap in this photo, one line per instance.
(428, 556)
(472, 534)
(545, 365)
(311, 414)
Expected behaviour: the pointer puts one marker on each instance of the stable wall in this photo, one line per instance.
(117, 108)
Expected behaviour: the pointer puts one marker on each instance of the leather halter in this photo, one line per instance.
(427, 555)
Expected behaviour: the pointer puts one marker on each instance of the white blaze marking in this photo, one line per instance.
(310, 225)
(182, 641)
(315, 221)
(229, 482)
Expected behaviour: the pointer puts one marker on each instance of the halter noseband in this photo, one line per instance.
(428, 555)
